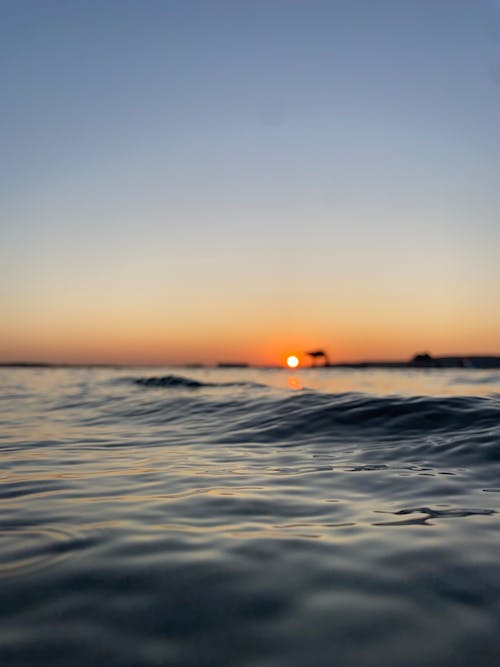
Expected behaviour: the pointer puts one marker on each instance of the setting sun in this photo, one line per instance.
(292, 362)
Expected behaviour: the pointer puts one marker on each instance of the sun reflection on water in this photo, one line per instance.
(294, 383)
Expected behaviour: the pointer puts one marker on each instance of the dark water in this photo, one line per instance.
(225, 518)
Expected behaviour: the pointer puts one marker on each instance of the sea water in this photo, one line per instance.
(244, 517)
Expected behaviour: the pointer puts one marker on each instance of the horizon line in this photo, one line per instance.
(240, 364)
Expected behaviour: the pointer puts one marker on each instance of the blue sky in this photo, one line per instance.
(248, 170)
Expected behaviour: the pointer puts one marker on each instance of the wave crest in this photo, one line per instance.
(313, 413)
(174, 381)
(181, 382)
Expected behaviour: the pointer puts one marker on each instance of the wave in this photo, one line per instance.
(174, 381)
(274, 416)
(452, 429)
(311, 414)
(181, 382)
(364, 429)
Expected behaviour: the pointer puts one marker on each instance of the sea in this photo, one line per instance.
(196, 517)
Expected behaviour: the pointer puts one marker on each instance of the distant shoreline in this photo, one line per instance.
(475, 362)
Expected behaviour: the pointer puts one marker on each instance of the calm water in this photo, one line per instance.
(257, 518)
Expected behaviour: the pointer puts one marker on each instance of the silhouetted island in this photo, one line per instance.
(233, 364)
(425, 360)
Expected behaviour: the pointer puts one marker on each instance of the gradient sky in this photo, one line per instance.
(204, 181)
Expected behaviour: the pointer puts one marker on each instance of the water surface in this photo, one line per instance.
(250, 517)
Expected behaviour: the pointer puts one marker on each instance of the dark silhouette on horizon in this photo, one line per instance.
(425, 360)
(319, 354)
(420, 360)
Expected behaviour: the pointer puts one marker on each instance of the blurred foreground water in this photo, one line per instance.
(248, 517)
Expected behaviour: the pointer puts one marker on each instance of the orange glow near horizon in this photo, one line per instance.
(132, 346)
(135, 334)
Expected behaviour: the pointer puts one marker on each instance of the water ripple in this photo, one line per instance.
(27, 550)
(220, 518)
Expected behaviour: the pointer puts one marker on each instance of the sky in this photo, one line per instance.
(204, 181)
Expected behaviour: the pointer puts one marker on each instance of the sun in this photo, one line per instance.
(292, 361)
